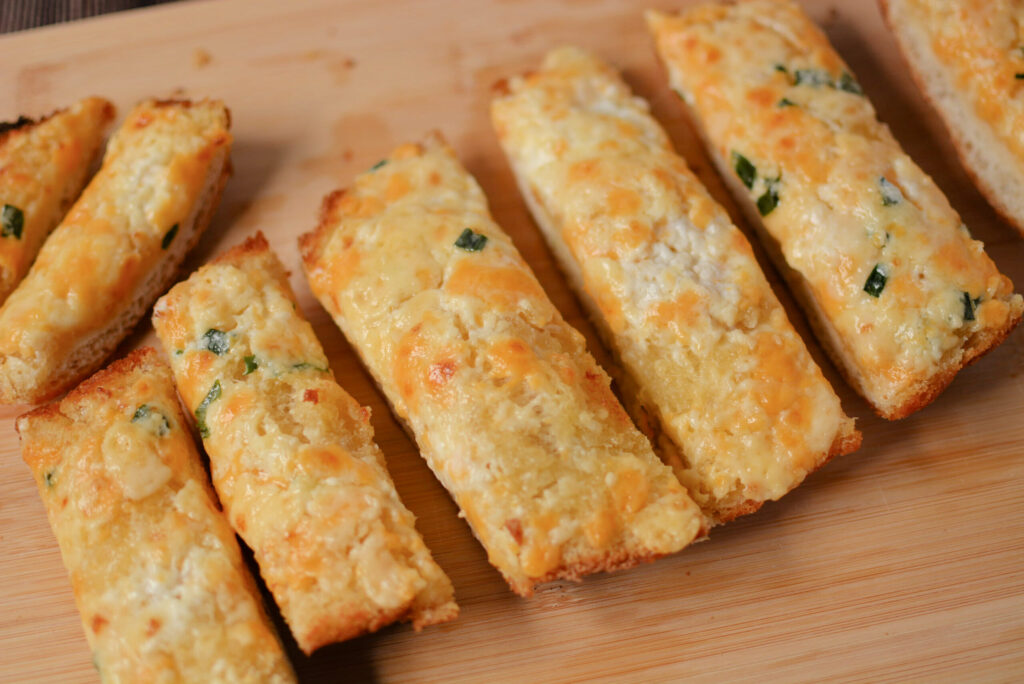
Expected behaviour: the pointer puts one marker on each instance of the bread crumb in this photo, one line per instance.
(201, 58)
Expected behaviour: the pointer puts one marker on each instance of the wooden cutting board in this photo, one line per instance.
(899, 562)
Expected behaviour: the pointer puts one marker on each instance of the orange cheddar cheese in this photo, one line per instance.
(292, 455)
(117, 249)
(158, 577)
(509, 410)
(896, 289)
(43, 166)
(714, 370)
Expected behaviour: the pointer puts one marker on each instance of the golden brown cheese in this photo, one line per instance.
(733, 399)
(899, 292)
(157, 574)
(292, 455)
(508, 408)
(43, 167)
(983, 42)
(968, 58)
(117, 248)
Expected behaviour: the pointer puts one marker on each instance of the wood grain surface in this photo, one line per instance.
(899, 562)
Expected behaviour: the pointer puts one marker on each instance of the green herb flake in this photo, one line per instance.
(746, 171)
(50, 476)
(146, 414)
(250, 364)
(786, 102)
(781, 68)
(12, 220)
(169, 237)
(812, 77)
(379, 164)
(308, 365)
(767, 202)
(179, 352)
(890, 192)
(1019, 77)
(876, 281)
(211, 396)
(216, 341)
(848, 83)
(470, 241)
(970, 306)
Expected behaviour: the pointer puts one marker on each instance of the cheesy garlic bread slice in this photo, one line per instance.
(158, 577)
(967, 57)
(713, 370)
(43, 166)
(508, 408)
(117, 249)
(896, 289)
(292, 455)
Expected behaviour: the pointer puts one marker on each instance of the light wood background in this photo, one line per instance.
(899, 562)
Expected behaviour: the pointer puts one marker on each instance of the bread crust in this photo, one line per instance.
(947, 295)
(130, 505)
(117, 249)
(672, 286)
(292, 455)
(509, 410)
(993, 168)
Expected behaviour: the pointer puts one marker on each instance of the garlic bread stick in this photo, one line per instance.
(156, 570)
(292, 455)
(714, 372)
(117, 249)
(43, 166)
(967, 57)
(896, 289)
(508, 408)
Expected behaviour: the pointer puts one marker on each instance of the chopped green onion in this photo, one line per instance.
(12, 220)
(786, 102)
(746, 171)
(216, 341)
(250, 364)
(210, 397)
(849, 84)
(470, 241)
(767, 202)
(812, 77)
(379, 164)
(876, 281)
(890, 192)
(304, 365)
(970, 306)
(145, 411)
(169, 237)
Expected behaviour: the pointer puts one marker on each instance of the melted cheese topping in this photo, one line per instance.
(982, 42)
(292, 455)
(745, 411)
(767, 86)
(42, 170)
(509, 410)
(158, 576)
(90, 270)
